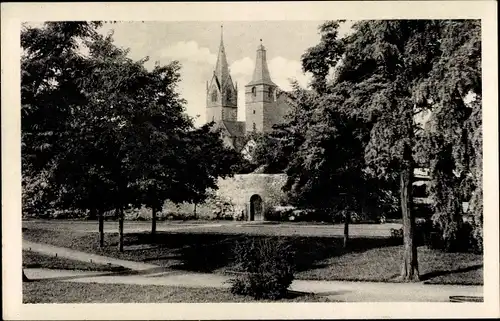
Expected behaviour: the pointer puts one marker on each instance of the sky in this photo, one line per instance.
(195, 45)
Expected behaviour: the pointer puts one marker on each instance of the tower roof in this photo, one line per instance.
(261, 72)
(221, 68)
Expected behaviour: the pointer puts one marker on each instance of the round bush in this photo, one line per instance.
(267, 268)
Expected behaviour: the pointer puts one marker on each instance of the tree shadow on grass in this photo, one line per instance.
(431, 275)
(313, 250)
(206, 252)
(125, 272)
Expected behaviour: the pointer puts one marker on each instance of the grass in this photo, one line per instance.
(68, 292)
(321, 258)
(37, 260)
(382, 264)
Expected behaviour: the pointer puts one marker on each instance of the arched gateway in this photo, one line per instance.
(256, 208)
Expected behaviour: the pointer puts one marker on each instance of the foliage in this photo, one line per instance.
(36, 196)
(267, 266)
(386, 74)
(51, 67)
(269, 152)
(326, 146)
(454, 129)
(324, 57)
(105, 131)
(381, 78)
(430, 234)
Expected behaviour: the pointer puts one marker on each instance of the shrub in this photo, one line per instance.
(279, 213)
(239, 214)
(396, 233)
(423, 232)
(267, 267)
(177, 216)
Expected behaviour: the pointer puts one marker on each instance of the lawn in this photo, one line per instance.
(382, 264)
(321, 258)
(68, 292)
(37, 260)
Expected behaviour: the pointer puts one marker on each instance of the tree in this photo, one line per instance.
(454, 143)
(326, 171)
(269, 153)
(52, 68)
(161, 126)
(377, 81)
(273, 151)
(475, 150)
(123, 138)
(190, 170)
(102, 108)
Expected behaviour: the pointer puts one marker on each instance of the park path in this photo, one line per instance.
(154, 275)
(84, 257)
(335, 290)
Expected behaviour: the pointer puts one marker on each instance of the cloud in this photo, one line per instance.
(197, 64)
(242, 67)
(284, 70)
(189, 51)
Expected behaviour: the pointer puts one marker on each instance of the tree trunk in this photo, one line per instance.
(101, 228)
(194, 212)
(153, 221)
(92, 214)
(346, 228)
(409, 271)
(120, 228)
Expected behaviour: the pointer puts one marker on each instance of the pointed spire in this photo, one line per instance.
(261, 72)
(221, 68)
(222, 35)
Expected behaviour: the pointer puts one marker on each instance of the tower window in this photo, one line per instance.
(214, 96)
(254, 91)
(254, 112)
(270, 92)
(254, 127)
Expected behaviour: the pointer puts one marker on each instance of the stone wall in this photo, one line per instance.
(232, 198)
(240, 188)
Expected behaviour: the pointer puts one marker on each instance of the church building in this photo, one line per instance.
(265, 103)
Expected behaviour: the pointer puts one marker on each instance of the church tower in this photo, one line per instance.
(222, 94)
(260, 97)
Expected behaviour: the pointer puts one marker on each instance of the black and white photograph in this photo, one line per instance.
(236, 159)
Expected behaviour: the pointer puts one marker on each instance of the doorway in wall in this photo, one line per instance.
(256, 208)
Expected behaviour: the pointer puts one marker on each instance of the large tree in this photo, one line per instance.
(374, 82)
(392, 72)
(117, 131)
(121, 139)
(51, 67)
(326, 169)
(190, 170)
(453, 137)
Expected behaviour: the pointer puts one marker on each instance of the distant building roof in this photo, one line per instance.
(235, 128)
